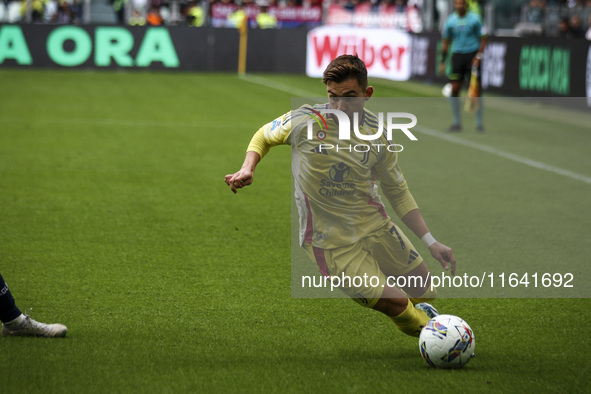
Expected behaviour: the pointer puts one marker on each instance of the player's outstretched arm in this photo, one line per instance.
(440, 252)
(245, 176)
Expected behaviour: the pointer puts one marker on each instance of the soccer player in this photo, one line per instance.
(344, 227)
(14, 323)
(463, 29)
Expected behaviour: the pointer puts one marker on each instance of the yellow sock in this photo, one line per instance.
(411, 321)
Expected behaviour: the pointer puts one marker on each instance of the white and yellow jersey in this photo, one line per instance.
(335, 180)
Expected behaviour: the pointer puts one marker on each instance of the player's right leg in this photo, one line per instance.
(355, 261)
(408, 281)
(405, 315)
(456, 77)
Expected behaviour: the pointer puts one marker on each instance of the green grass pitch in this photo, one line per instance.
(114, 220)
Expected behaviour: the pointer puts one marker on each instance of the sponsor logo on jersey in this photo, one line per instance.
(337, 185)
(339, 172)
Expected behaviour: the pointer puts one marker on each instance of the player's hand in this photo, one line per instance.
(442, 68)
(238, 180)
(444, 255)
(476, 62)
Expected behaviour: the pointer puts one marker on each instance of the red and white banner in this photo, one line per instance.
(386, 52)
(288, 16)
(387, 16)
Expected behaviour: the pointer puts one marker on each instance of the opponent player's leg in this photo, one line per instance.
(455, 79)
(480, 108)
(14, 323)
(8, 309)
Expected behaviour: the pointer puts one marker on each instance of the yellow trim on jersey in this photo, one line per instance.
(272, 134)
(258, 143)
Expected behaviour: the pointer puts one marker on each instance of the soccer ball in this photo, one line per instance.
(447, 342)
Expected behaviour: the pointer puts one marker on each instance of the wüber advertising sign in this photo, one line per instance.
(386, 52)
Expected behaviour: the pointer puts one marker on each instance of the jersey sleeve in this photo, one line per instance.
(272, 134)
(393, 184)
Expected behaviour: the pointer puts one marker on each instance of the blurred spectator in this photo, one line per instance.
(576, 26)
(13, 12)
(119, 8)
(349, 5)
(141, 6)
(165, 13)
(76, 10)
(264, 19)
(237, 18)
(137, 19)
(474, 6)
(533, 16)
(195, 15)
(50, 11)
(36, 9)
(564, 29)
(154, 18)
(64, 13)
(535, 11)
(442, 7)
(588, 35)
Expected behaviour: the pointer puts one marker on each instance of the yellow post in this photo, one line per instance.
(243, 29)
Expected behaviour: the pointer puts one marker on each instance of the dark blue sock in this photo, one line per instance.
(8, 309)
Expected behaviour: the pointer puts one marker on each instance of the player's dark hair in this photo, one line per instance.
(346, 67)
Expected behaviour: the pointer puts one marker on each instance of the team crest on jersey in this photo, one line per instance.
(321, 134)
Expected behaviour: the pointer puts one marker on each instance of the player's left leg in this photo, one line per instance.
(8, 309)
(14, 323)
(480, 108)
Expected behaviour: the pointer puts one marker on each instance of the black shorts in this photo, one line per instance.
(461, 65)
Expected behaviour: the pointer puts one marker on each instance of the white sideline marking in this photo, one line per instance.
(506, 155)
(474, 145)
(277, 86)
(127, 122)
